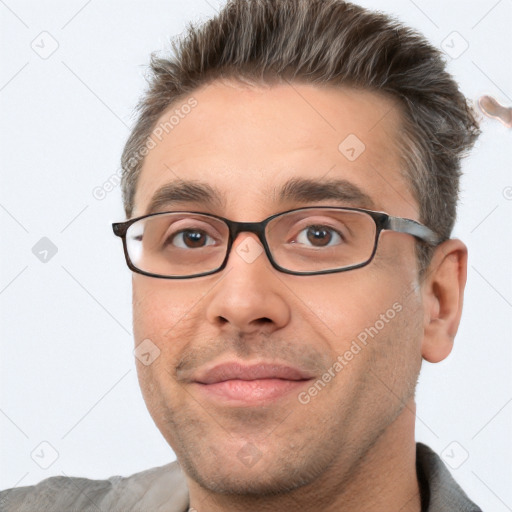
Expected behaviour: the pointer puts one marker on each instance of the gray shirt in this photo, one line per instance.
(164, 489)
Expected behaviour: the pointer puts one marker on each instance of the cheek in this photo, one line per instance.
(158, 306)
(146, 315)
(170, 315)
(344, 305)
(161, 319)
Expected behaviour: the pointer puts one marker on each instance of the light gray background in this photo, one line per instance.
(67, 369)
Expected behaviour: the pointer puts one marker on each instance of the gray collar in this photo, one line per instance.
(439, 491)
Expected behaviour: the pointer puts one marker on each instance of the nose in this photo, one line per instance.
(249, 296)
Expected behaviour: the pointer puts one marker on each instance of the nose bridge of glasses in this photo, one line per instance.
(258, 228)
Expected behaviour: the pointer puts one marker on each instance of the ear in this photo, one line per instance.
(443, 292)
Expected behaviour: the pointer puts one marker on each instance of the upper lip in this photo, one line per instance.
(235, 370)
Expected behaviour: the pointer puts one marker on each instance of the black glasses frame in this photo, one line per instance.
(382, 220)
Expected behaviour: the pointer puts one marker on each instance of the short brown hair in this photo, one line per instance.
(324, 42)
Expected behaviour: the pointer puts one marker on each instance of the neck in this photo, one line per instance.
(384, 478)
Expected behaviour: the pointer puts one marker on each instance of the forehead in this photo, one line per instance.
(245, 143)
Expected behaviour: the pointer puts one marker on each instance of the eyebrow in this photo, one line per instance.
(185, 191)
(307, 190)
(297, 190)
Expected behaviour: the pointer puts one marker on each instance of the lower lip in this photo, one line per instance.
(251, 391)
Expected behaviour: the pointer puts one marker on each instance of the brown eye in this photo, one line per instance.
(319, 236)
(190, 239)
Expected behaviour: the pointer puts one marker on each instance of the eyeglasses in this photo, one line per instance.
(304, 241)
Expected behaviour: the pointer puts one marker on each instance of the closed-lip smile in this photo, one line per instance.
(242, 383)
(235, 370)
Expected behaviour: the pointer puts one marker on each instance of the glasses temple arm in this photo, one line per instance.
(414, 228)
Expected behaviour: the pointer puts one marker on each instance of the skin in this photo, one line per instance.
(352, 447)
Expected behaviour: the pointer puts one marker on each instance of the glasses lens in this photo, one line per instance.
(313, 240)
(177, 244)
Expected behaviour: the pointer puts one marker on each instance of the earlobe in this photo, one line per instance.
(443, 292)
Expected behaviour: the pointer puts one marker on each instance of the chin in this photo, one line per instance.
(272, 479)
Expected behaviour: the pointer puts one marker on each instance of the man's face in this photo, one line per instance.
(266, 434)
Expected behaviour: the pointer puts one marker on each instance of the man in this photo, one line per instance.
(284, 317)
